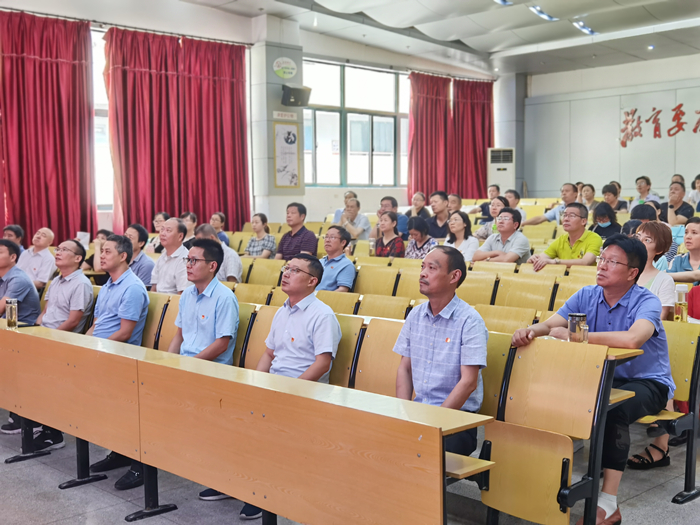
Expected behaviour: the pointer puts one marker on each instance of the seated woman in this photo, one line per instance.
(153, 245)
(92, 263)
(421, 243)
(605, 221)
(488, 228)
(262, 244)
(587, 197)
(460, 236)
(686, 268)
(418, 208)
(390, 243)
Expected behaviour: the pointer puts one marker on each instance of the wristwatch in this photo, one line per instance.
(670, 206)
(556, 261)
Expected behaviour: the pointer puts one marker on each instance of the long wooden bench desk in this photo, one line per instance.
(314, 453)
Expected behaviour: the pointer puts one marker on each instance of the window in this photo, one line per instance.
(324, 81)
(403, 152)
(104, 170)
(370, 90)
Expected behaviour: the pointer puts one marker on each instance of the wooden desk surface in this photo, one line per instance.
(616, 354)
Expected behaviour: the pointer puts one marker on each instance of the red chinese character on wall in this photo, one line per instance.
(679, 125)
(697, 125)
(656, 122)
(631, 127)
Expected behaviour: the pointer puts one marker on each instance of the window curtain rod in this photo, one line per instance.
(97, 25)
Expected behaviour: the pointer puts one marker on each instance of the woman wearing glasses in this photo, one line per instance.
(154, 245)
(489, 228)
(460, 236)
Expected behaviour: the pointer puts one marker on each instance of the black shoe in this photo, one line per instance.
(112, 461)
(130, 480)
(678, 441)
(13, 427)
(48, 440)
(250, 512)
(212, 495)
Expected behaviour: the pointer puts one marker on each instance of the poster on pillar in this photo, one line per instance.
(287, 155)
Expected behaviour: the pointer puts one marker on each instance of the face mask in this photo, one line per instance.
(604, 224)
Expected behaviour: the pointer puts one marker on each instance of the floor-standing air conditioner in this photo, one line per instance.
(501, 167)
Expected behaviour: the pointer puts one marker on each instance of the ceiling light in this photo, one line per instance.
(315, 21)
(495, 69)
(650, 48)
(538, 11)
(583, 27)
(503, 2)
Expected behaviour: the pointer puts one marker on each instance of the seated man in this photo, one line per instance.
(231, 268)
(68, 308)
(304, 336)
(508, 245)
(493, 191)
(676, 211)
(338, 270)
(38, 262)
(356, 223)
(644, 188)
(141, 264)
(448, 331)
(569, 193)
(438, 227)
(624, 315)
(454, 203)
(15, 284)
(170, 273)
(513, 198)
(299, 239)
(218, 221)
(577, 247)
(120, 315)
(14, 233)
(389, 203)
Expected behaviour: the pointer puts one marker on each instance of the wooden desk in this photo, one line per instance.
(618, 354)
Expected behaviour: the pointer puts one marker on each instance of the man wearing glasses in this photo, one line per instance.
(577, 247)
(569, 193)
(508, 245)
(338, 270)
(619, 314)
(304, 336)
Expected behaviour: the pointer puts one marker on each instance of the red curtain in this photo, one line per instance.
(177, 127)
(46, 103)
(472, 135)
(428, 128)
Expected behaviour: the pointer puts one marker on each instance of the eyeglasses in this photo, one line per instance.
(60, 250)
(332, 237)
(191, 261)
(504, 218)
(613, 264)
(571, 216)
(294, 270)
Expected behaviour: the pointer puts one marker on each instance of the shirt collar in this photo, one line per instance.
(73, 275)
(181, 251)
(137, 258)
(10, 272)
(624, 300)
(303, 304)
(302, 229)
(446, 312)
(122, 276)
(335, 259)
(209, 290)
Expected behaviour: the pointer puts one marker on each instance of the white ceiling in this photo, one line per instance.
(488, 36)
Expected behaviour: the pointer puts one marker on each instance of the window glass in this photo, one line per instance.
(404, 94)
(371, 90)
(383, 150)
(328, 147)
(104, 171)
(403, 151)
(98, 68)
(358, 148)
(324, 81)
(308, 146)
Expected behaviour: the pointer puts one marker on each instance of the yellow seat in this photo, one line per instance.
(350, 327)
(256, 347)
(252, 293)
(377, 280)
(315, 227)
(266, 271)
(501, 268)
(246, 262)
(401, 263)
(372, 261)
(229, 284)
(539, 232)
(589, 272)
(340, 302)
(557, 270)
(238, 241)
(384, 306)
(532, 210)
(168, 328)
(329, 218)
(525, 291)
(323, 229)
(477, 288)
(278, 297)
(245, 312)
(284, 228)
(377, 363)
(505, 319)
(154, 256)
(247, 227)
(373, 219)
(321, 248)
(361, 249)
(409, 285)
(275, 227)
(497, 349)
(547, 201)
(568, 286)
(154, 318)
(622, 218)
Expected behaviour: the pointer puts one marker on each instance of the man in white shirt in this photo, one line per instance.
(170, 271)
(38, 262)
(232, 268)
(353, 221)
(513, 198)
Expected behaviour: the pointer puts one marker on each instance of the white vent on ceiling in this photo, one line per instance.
(501, 167)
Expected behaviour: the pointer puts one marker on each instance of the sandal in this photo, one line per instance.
(643, 463)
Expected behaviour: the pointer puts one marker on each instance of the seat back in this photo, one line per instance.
(278, 297)
(377, 280)
(384, 306)
(91, 315)
(682, 347)
(252, 293)
(351, 328)
(501, 268)
(568, 286)
(497, 349)
(266, 271)
(362, 248)
(168, 328)
(372, 261)
(245, 312)
(314, 227)
(247, 263)
(377, 363)
(557, 270)
(401, 262)
(540, 232)
(589, 272)
(477, 288)
(409, 285)
(154, 318)
(247, 227)
(525, 291)
(42, 300)
(340, 302)
(256, 347)
(321, 248)
(506, 319)
(554, 386)
(238, 241)
(275, 227)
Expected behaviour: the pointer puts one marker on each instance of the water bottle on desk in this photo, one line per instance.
(680, 311)
(11, 313)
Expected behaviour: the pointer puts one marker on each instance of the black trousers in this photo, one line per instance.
(650, 397)
(462, 443)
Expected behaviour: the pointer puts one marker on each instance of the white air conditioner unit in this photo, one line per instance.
(501, 167)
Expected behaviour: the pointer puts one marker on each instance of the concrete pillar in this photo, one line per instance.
(509, 93)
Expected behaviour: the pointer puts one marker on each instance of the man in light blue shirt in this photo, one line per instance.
(207, 320)
(338, 270)
(443, 345)
(356, 223)
(569, 192)
(141, 264)
(15, 284)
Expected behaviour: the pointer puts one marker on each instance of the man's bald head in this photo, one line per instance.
(43, 238)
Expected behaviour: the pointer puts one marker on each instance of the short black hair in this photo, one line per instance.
(455, 195)
(441, 194)
(344, 234)
(455, 261)
(163, 214)
(501, 198)
(603, 209)
(630, 227)
(106, 233)
(573, 186)
(351, 192)
(123, 246)
(189, 215)
(212, 251)
(582, 210)
(590, 186)
(393, 217)
(206, 230)
(693, 220)
(143, 233)
(681, 176)
(354, 199)
(80, 250)
(12, 247)
(301, 209)
(181, 228)
(610, 188)
(221, 216)
(394, 202)
(642, 212)
(494, 186)
(419, 224)
(17, 230)
(644, 178)
(681, 184)
(315, 266)
(467, 226)
(654, 204)
(633, 247)
(514, 213)
(514, 193)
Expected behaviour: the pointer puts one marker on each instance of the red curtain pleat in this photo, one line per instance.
(46, 106)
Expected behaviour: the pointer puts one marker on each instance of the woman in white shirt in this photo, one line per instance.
(460, 236)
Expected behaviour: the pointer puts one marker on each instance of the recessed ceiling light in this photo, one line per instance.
(543, 63)
(315, 21)
(503, 2)
(495, 69)
(651, 47)
(593, 56)
(538, 11)
(583, 27)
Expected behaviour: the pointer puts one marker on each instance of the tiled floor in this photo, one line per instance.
(29, 494)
